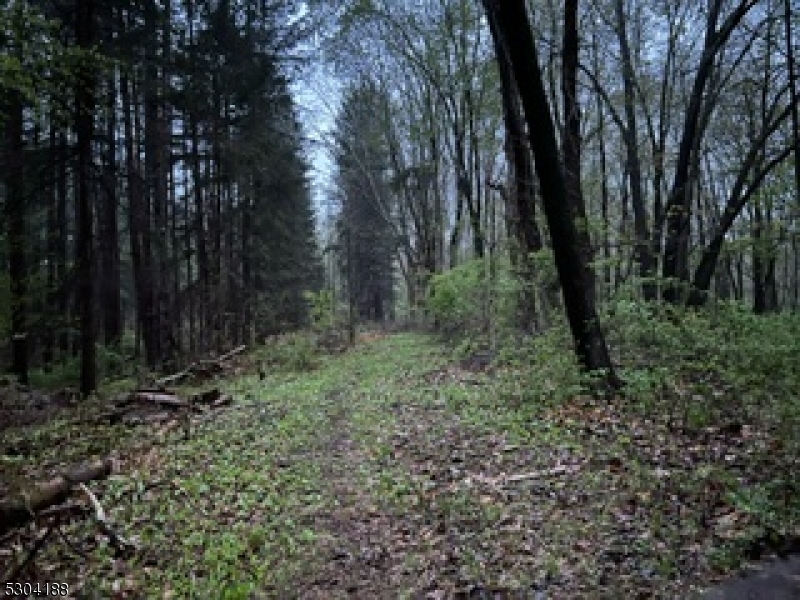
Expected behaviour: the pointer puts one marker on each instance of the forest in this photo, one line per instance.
(399, 298)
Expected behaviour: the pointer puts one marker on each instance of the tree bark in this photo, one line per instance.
(793, 98)
(138, 225)
(84, 129)
(108, 231)
(514, 32)
(154, 189)
(571, 142)
(630, 136)
(678, 208)
(15, 213)
(523, 197)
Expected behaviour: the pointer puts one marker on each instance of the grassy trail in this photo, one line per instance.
(392, 472)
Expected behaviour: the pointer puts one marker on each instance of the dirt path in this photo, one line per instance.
(351, 553)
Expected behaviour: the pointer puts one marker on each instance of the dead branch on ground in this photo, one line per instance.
(18, 511)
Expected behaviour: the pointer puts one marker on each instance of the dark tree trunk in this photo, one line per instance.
(759, 261)
(513, 29)
(108, 233)
(138, 226)
(571, 142)
(154, 246)
(15, 215)
(474, 205)
(61, 245)
(764, 284)
(678, 207)
(203, 269)
(793, 99)
(84, 129)
(517, 151)
(52, 250)
(522, 205)
(640, 220)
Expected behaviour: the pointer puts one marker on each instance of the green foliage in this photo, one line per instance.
(322, 309)
(456, 296)
(35, 63)
(713, 350)
(551, 371)
(290, 352)
(459, 299)
(112, 364)
(394, 433)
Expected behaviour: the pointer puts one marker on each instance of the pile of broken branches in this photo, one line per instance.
(33, 513)
(151, 406)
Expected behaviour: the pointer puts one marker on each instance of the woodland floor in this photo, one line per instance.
(392, 471)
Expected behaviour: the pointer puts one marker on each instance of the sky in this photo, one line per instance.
(316, 95)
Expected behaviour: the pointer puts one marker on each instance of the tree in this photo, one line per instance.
(515, 37)
(15, 213)
(633, 167)
(677, 210)
(362, 164)
(571, 142)
(84, 130)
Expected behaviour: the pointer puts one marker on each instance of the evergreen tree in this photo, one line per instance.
(362, 161)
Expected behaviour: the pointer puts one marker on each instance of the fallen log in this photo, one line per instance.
(231, 353)
(15, 512)
(125, 410)
(161, 399)
(201, 368)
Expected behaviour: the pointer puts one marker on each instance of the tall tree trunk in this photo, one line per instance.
(793, 98)
(108, 233)
(161, 202)
(203, 293)
(517, 151)
(15, 215)
(523, 197)
(138, 225)
(678, 207)
(571, 142)
(630, 136)
(84, 129)
(759, 260)
(63, 303)
(52, 250)
(513, 29)
(155, 246)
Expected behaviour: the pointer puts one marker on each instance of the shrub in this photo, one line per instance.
(456, 297)
(292, 352)
(466, 300)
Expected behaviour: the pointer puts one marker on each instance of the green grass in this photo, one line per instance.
(227, 512)
(240, 508)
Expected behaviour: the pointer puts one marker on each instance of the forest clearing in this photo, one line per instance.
(397, 470)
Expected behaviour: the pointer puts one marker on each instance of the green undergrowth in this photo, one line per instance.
(229, 512)
(510, 477)
(709, 414)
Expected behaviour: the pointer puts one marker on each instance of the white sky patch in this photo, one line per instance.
(317, 96)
